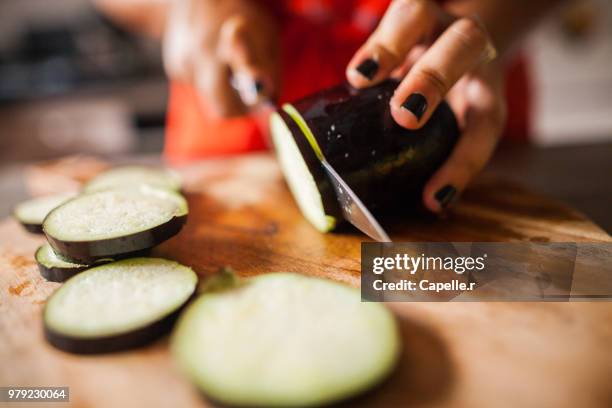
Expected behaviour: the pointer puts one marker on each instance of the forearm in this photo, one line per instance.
(506, 21)
(144, 16)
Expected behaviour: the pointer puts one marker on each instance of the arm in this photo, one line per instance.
(506, 21)
(207, 42)
(144, 16)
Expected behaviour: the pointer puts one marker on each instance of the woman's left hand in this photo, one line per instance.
(457, 65)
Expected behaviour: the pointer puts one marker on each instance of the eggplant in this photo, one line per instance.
(31, 213)
(386, 165)
(135, 175)
(115, 223)
(284, 339)
(118, 306)
(53, 267)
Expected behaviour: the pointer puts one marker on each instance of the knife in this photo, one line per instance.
(353, 209)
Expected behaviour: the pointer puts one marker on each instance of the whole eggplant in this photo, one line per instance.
(385, 164)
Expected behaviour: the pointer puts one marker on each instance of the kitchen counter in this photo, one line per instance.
(476, 354)
(580, 176)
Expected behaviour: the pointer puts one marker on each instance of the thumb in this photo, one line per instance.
(249, 75)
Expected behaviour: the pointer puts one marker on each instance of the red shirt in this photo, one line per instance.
(318, 38)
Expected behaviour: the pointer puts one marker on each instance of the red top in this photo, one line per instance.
(318, 38)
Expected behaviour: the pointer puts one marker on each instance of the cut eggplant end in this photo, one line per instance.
(310, 341)
(53, 267)
(299, 120)
(31, 213)
(114, 223)
(135, 175)
(118, 306)
(299, 178)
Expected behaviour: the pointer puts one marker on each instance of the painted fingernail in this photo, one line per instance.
(258, 86)
(368, 68)
(417, 104)
(445, 195)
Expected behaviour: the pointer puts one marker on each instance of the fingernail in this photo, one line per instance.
(258, 86)
(417, 104)
(368, 68)
(445, 195)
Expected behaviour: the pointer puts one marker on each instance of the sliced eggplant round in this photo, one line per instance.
(135, 175)
(114, 223)
(31, 213)
(117, 306)
(53, 267)
(285, 339)
(299, 178)
(386, 165)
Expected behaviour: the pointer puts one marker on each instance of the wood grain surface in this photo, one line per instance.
(455, 354)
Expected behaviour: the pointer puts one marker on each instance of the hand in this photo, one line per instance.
(208, 43)
(457, 65)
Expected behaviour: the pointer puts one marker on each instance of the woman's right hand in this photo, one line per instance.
(209, 44)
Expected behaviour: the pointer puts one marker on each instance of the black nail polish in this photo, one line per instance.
(417, 104)
(368, 68)
(445, 195)
(258, 85)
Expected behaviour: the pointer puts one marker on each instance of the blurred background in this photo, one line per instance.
(72, 82)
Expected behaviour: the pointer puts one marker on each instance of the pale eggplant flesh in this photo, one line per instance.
(31, 213)
(284, 340)
(134, 175)
(137, 218)
(118, 306)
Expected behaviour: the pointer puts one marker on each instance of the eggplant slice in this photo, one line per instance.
(135, 175)
(53, 267)
(114, 223)
(31, 213)
(284, 339)
(117, 306)
(298, 176)
(386, 165)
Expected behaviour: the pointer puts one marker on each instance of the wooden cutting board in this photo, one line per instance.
(454, 355)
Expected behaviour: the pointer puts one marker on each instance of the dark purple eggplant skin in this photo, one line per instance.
(88, 252)
(33, 228)
(386, 165)
(55, 274)
(122, 342)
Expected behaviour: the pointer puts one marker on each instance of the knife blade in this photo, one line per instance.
(353, 209)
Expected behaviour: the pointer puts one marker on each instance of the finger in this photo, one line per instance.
(485, 118)
(404, 24)
(460, 49)
(457, 100)
(413, 56)
(177, 45)
(251, 73)
(212, 81)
